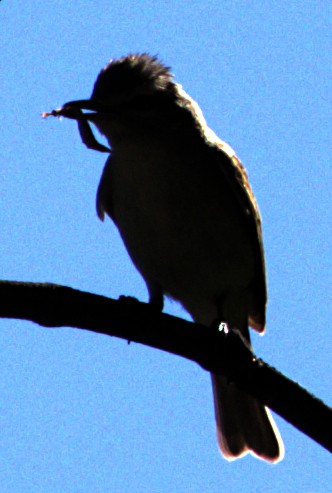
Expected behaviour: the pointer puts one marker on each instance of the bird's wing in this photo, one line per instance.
(234, 172)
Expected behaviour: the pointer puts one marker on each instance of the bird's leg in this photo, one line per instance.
(156, 296)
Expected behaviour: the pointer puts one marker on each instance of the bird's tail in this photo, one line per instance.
(243, 424)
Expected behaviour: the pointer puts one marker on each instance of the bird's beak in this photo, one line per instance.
(87, 104)
(73, 110)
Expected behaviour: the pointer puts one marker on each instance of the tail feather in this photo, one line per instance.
(243, 424)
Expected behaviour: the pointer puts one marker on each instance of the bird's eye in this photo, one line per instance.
(147, 102)
(143, 102)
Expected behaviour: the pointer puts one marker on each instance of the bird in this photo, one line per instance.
(181, 200)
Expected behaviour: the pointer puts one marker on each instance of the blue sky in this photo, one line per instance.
(81, 412)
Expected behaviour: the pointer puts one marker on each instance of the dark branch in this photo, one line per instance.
(51, 305)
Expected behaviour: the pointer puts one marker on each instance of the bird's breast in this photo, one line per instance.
(179, 221)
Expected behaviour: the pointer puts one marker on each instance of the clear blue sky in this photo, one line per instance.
(81, 412)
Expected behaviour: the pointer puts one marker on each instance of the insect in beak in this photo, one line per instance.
(73, 111)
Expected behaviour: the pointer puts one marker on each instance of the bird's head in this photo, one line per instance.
(133, 93)
(132, 81)
(129, 78)
(128, 92)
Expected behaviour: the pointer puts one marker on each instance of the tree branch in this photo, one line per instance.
(223, 352)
